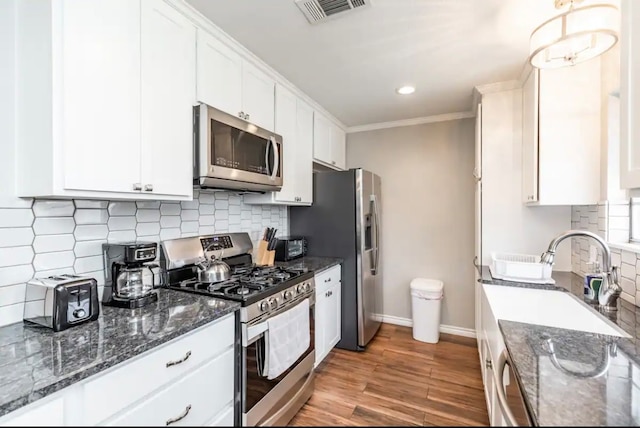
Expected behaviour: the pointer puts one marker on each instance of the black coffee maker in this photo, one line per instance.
(129, 276)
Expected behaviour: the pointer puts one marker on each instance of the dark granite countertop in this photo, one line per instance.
(566, 390)
(313, 263)
(36, 362)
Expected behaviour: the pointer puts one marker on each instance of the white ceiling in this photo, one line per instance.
(351, 65)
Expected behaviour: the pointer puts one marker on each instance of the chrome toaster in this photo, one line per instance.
(61, 301)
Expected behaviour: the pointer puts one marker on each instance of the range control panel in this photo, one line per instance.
(216, 243)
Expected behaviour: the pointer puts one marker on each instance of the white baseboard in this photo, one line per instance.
(408, 322)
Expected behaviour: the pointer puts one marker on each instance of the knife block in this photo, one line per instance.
(261, 253)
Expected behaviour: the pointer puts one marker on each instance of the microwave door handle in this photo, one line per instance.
(276, 158)
(266, 157)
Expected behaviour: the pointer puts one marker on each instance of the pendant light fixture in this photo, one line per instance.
(577, 35)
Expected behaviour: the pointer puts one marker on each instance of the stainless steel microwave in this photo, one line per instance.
(231, 153)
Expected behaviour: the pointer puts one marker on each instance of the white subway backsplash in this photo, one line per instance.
(65, 236)
(613, 225)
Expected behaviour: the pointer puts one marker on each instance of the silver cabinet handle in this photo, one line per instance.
(148, 187)
(137, 186)
(488, 364)
(502, 396)
(247, 116)
(180, 361)
(327, 280)
(241, 115)
(179, 418)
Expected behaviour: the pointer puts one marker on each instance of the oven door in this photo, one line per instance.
(234, 153)
(265, 401)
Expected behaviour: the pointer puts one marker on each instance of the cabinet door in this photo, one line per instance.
(320, 325)
(332, 333)
(338, 147)
(286, 127)
(569, 120)
(630, 95)
(258, 96)
(304, 153)
(168, 94)
(101, 95)
(321, 138)
(530, 138)
(219, 75)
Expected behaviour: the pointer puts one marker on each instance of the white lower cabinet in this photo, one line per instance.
(187, 381)
(191, 400)
(328, 321)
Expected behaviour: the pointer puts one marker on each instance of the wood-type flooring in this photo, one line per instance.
(399, 381)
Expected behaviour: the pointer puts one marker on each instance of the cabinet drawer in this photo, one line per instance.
(43, 415)
(327, 278)
(190, 401)
(126, 384)
(224, 419)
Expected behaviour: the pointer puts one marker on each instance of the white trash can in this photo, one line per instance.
(426, 303)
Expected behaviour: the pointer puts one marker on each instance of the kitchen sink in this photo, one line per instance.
(549, 308)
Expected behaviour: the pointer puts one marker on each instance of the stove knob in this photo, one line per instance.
(300, 288)
(264, 306)
(307, 287)
(273, 303)
(288, 294)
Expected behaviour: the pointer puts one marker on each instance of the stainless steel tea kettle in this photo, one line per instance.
(214, 269)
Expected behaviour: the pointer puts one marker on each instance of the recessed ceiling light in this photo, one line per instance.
(406, 90)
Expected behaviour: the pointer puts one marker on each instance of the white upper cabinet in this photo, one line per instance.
(219, 75)
(230, 83)
(168, 95)
(258, 96)
(294, 122)
(329, 142)
(321, 138)
(338, 147)
(100, 98)
(304, 153)
(630, 95)
(568, 136)
(112, 85)
(530, 138)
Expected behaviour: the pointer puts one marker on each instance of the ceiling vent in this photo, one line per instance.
(320, 10)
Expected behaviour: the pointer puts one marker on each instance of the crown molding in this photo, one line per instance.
(498, 87)
(411, 122)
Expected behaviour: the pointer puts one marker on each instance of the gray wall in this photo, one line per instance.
(427, 213)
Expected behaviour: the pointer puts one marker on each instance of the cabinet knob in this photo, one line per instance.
(247, 116)
(241, 115)
(148, 187)
(137, 186)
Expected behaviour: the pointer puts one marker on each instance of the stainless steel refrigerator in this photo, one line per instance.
(344, 221)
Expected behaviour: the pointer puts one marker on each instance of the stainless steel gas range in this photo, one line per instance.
(263, 293)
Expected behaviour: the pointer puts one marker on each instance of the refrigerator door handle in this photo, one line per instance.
(376, 249)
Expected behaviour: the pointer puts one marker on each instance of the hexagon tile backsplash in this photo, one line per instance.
(65, 236)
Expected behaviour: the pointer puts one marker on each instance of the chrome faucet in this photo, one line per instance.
(609, 289)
